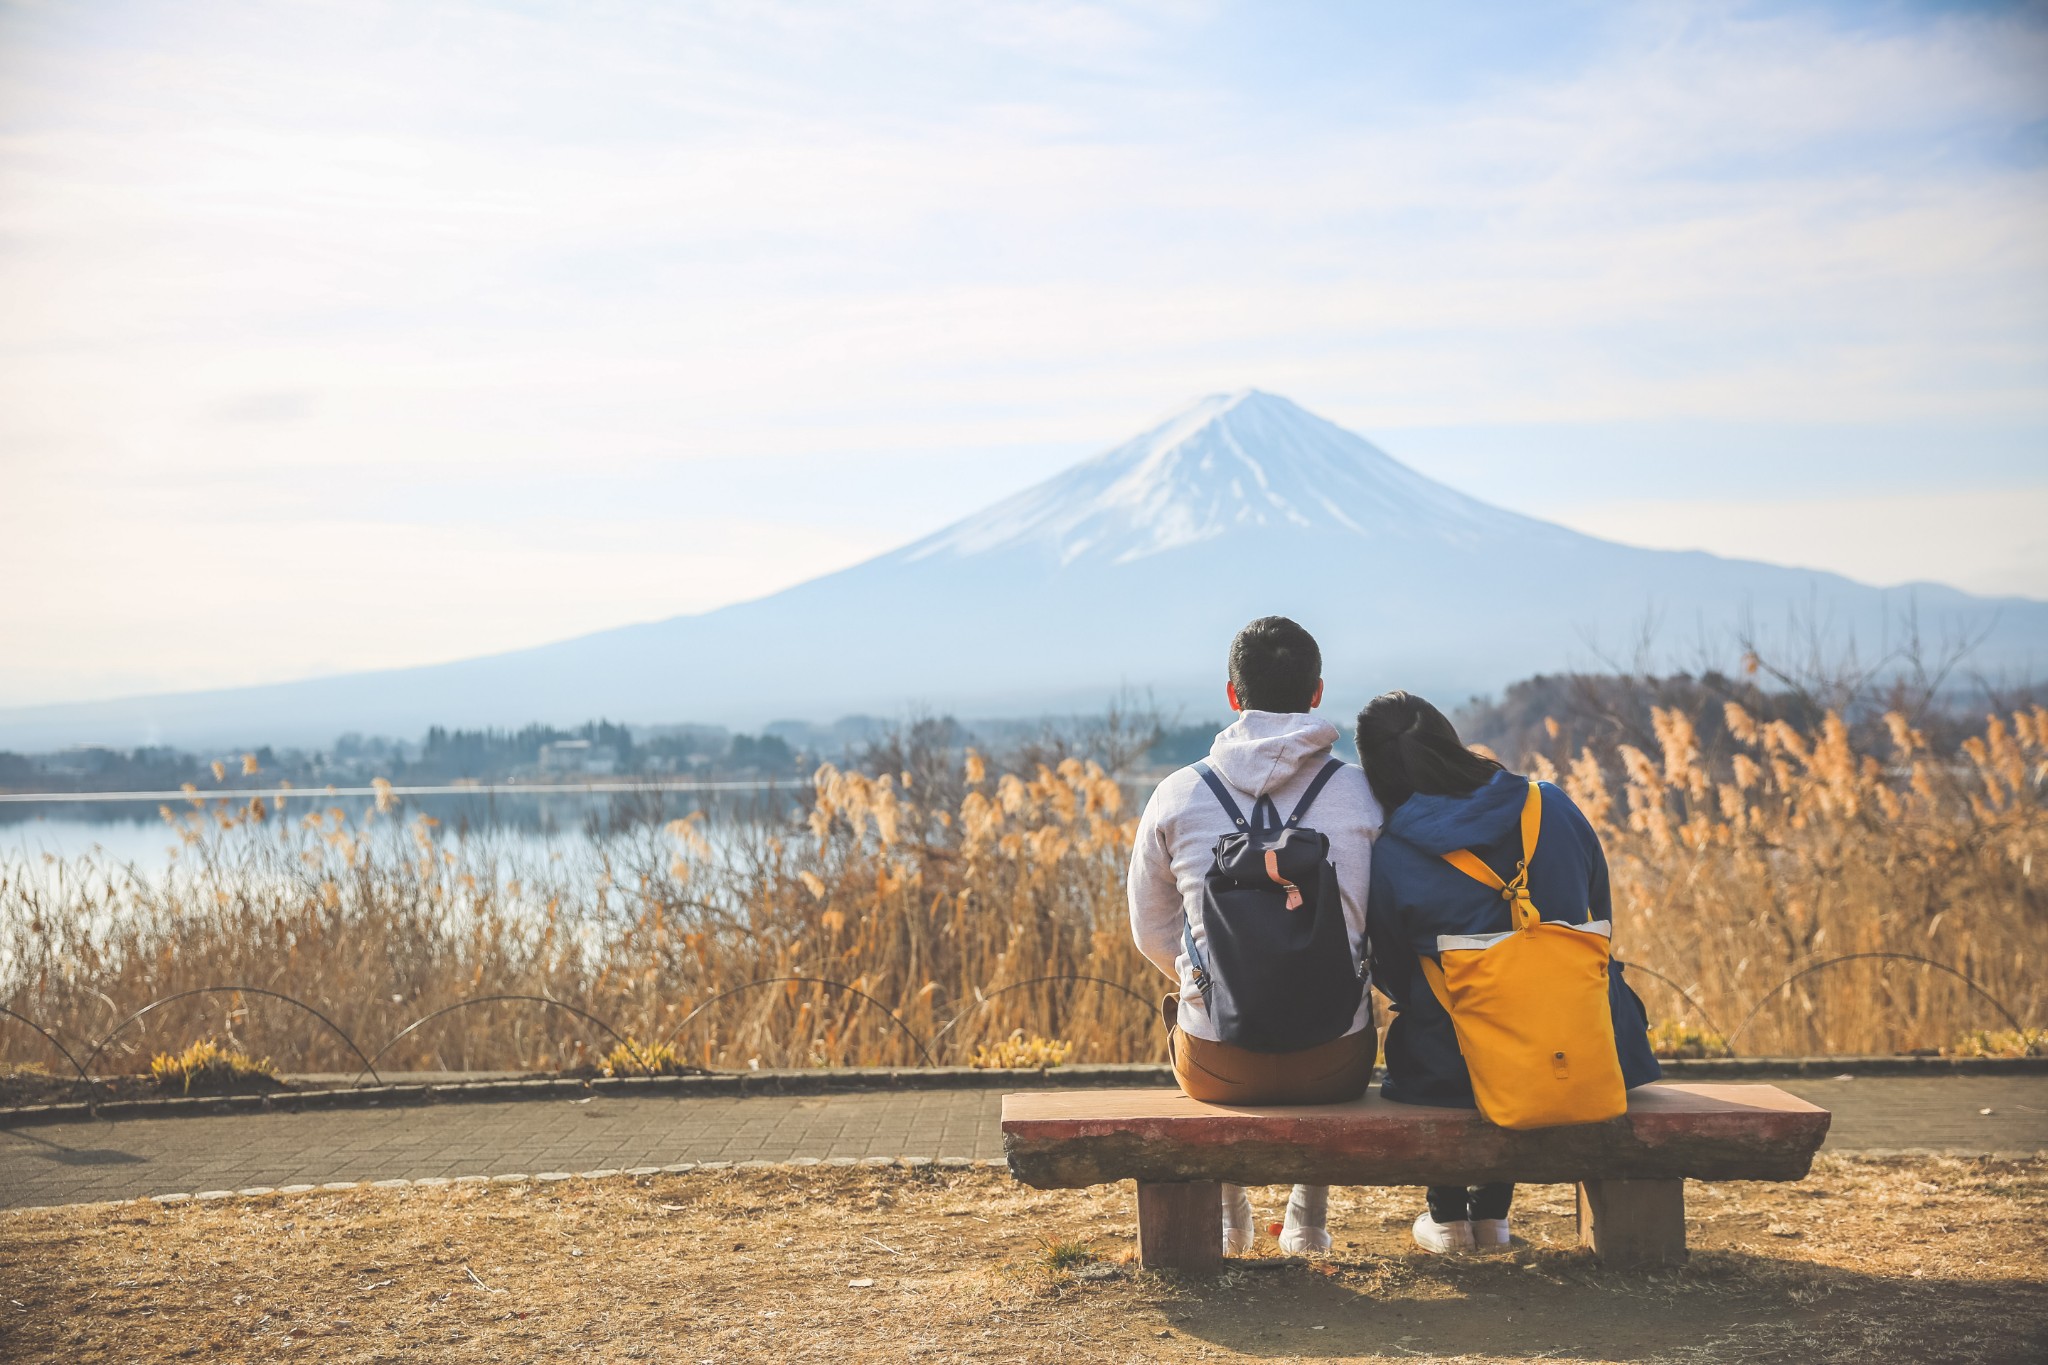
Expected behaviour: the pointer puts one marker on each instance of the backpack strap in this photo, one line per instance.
(1433, 973)
(1208, 775)
(1187, 941)
(1315, 789)
(1515, 892)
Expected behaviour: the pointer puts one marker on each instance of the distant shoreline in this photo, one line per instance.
(448, 789)
(622, 787)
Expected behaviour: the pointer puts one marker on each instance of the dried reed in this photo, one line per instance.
(885, 916)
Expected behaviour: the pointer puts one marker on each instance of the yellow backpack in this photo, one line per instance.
(1530, 1006)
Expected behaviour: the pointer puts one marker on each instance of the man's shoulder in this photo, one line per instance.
(1360, 807)
(1172, 793)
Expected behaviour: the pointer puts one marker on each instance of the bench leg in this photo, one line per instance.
(1633, 1222)
(1180, 1225)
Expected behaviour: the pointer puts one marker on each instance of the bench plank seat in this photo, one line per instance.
(1631, 1171)
(1066, 1139)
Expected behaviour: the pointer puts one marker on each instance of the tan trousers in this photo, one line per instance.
(1218, 1073)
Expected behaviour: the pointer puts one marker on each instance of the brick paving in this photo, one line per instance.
(126, 1158)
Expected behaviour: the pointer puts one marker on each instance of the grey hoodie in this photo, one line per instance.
(1263, 753)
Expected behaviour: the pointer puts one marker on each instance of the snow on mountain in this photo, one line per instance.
(1229, 463)
(1129, 570)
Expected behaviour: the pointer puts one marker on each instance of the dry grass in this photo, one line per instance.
(1929, 1260)
(926, 901)
(1731, 878)
(380, 921)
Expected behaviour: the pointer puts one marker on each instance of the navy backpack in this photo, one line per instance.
(1281, 975)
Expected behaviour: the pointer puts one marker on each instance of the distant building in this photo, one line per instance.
(84, 760)
(578, 756)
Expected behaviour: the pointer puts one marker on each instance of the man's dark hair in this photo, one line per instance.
(1407, 746)
(1275, 666)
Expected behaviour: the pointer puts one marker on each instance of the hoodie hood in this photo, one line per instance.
(1263, 750)
(1440, 824)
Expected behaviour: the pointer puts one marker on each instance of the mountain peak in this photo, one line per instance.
(1247, 462)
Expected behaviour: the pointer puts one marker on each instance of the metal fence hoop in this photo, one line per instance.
(1768, 995)
(333, 1027)
(888, 1013)
(49, 1038)
(1039, 981)
(370, 1068)
(1652, 972)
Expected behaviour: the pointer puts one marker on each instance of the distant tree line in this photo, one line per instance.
(475, 753)
(1554, 715)
(444, 754)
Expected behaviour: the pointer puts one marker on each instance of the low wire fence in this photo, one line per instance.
(627, 1054)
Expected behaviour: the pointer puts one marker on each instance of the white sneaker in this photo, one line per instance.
(1302, 1241)
(1307, 1225)
(1489, 1234)
(1444, 1239)
(1237, 1221)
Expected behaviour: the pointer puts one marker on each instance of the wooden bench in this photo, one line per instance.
(1631, 1171)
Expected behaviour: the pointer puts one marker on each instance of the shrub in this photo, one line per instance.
(1671, 1038)
(1019, 1053)
(2027, 1042)
(210, 1069)
(1057, 1257)
(635, 1058)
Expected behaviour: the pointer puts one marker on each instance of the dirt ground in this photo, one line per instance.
(1898, 1259)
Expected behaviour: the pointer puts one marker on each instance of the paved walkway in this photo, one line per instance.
(79, 1162)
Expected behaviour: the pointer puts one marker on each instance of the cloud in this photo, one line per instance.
(1986, 542)
(379, 257)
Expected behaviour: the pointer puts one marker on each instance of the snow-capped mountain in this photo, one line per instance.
(1130, 570)
(1231, 463)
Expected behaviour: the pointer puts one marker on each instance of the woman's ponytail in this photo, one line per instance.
(1407, 746)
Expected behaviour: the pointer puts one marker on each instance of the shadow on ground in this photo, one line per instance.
(1720, 1307)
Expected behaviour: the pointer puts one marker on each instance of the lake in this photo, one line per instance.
(528, 822)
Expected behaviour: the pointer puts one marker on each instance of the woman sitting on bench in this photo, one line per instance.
(1447, 806)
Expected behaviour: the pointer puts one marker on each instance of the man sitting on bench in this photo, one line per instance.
(1260, 920)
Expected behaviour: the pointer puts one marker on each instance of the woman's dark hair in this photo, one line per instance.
(1407, 746)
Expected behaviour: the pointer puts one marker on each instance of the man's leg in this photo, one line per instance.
(1237, 1221)
(1335, 1073)
(1197, 1083)
(1308, 1220)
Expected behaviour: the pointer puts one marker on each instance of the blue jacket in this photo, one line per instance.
(1416, 895)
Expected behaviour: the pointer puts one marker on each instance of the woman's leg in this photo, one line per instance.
(1446, 1225)
(1449, 1203)
(1490, 1215)
(1491, 1201)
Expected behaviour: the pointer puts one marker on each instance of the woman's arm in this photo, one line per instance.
(1386, 944)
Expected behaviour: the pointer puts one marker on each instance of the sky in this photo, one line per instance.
(351, 335)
